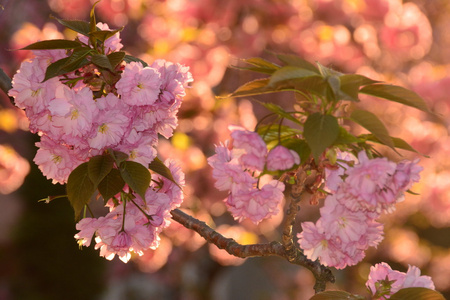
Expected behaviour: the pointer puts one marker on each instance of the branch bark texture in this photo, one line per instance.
(294, 256)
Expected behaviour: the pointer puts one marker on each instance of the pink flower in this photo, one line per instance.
(56, 161)
(29, 91)
(139, 85)
(337, 220)
(140, 146)
(73, 113)
(391, 281)
(256, 204)
(316, 245)
(365, 187)
(111, 123)
(334, 175)
(87, 227)
(413, 279)
(249, 148)
(281, 158)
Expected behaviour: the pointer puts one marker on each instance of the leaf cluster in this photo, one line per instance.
(320, 93)
(80, 54)
(108, 173)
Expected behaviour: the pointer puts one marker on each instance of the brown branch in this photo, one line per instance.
(321, 273)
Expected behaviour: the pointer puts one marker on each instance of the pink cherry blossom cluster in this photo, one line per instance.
(134, 225)
(360, 193)
(383, 281)
(76, 124)
(237, 170)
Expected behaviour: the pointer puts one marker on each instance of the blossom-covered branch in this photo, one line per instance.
(321, 273)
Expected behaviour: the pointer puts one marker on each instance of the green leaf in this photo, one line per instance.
(160, 168)
(99, 166)
(300, 146)
(80, 188)
(261, 65)
(255, 87)
(280, 111)
(129, 58)
(111, 185)
(398, 143)
(314, 84)
(397, 94)
(76, 25)
(326, 72)
(274, 132)
(293, 60)
(417, 293)
(93, 26)
(103, 35)
(66, 65)
(53, 44)
(116, 58)
(336, 295)
(118, 156)
(320, 132)
(371, 122)
(102, 61)
(346, 138)
(136, 176)
(288, 73)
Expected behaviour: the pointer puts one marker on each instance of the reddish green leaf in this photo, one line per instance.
(76, 25)
(103, 35)
(111, 185)
(99, 166)
(116, 58)
(371, 122)
(256, 87)
(160, 168)
(336, 295)
(53, 44)
(80, 188)
(288, 73)
(129, 58)
(320, 132)
(279, 111)
(102, 61)
(417, 293)
(136, 176)
(295, 61)
(261, 65)
(397, 94)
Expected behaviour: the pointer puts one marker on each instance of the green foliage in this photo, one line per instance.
(320, 132)
(417, 293)
(319, 91)
(80, 188)
(336, 295)
(371, 122)
(160, 168)
(136, 176)
(111, 185)
(98, 167)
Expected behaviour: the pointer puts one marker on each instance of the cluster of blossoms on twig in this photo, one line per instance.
(75, 124)
(237, 170)
(361, 189)
(92, 112)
